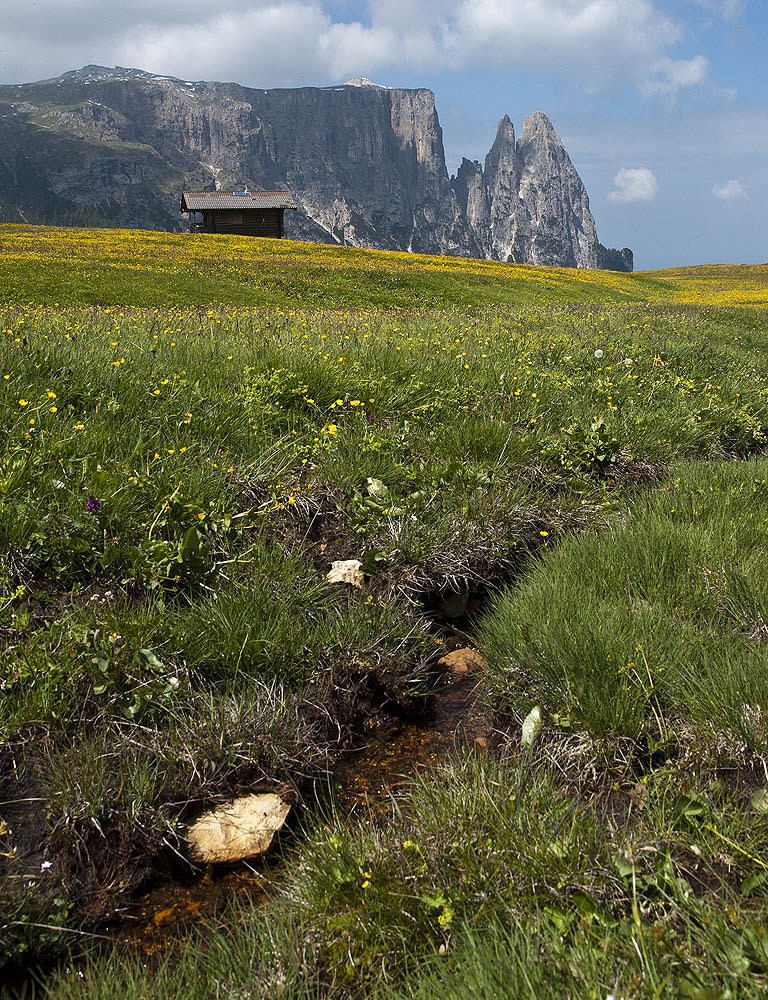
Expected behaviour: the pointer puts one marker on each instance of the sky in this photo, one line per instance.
(662, 106)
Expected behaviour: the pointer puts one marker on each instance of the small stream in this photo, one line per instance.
(367, 775)
(364, 779)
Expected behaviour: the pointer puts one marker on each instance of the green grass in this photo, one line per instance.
(45, 265)
(656, 628)
(496, 878)
(175, 481)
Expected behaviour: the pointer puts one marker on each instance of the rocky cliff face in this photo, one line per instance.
(365, 163)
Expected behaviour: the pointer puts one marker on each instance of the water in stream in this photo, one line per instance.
(364, 779)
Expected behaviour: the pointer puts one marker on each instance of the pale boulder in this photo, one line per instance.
(461, 662)
(238, 830)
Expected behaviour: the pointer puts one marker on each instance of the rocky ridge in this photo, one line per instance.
(366, 164)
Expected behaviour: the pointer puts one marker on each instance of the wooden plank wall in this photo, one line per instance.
(253, 222)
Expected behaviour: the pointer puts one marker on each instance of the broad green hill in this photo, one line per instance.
(48, 265)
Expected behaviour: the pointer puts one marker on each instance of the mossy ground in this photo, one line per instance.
(176, 479)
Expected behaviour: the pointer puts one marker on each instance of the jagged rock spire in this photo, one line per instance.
(474, 206)
(528, 204)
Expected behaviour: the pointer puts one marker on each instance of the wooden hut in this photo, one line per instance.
(245, 213)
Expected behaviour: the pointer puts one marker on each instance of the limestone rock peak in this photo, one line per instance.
(363, 81)
(536, 208)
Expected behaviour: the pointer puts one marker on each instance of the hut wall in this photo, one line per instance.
(249, 222)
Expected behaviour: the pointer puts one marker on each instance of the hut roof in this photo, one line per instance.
(202, 201)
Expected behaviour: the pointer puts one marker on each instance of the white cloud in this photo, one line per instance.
(671, 75)
(731, 10)
(634, 184)
(275, 45)
(592, 44)
(730, 191)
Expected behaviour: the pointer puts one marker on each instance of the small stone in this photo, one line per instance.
(238, 830)
(460, 663)
(346, 571)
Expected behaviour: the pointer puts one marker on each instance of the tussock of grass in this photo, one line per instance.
(532, 958)
(655, 628)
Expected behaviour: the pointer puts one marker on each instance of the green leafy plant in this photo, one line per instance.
(591, 447)
(143, 683)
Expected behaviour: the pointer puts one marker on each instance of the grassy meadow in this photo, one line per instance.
(69, 267)
(196, 427)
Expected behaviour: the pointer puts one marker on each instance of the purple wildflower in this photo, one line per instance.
(92, 504)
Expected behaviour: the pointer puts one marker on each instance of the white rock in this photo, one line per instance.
(238, 830)
(346, 571)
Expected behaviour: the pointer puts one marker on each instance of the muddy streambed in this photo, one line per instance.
(365, 777)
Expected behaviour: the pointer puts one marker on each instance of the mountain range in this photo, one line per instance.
(365, 163)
